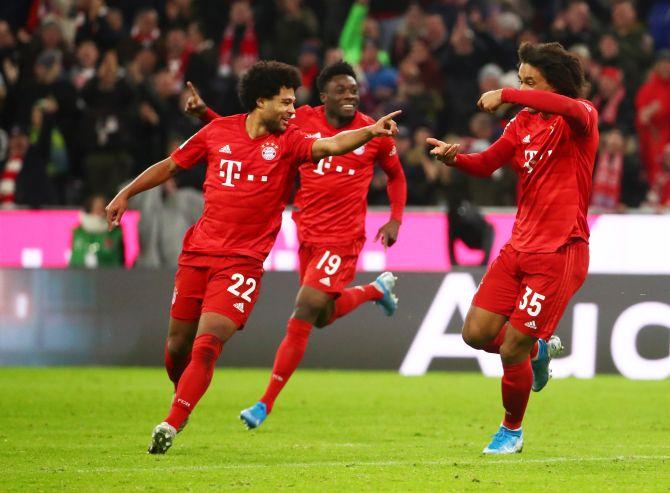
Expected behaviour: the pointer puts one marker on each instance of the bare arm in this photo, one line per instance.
(352, 139)
(151, 177)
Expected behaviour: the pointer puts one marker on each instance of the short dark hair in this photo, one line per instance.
(562, 69)
(264, 80)
(333, 70)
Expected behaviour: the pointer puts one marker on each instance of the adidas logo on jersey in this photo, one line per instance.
(226, 149)
(531, 324)
(239, 306)
(526, 139)
(325, 281)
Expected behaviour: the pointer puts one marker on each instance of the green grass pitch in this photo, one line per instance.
(87, 429)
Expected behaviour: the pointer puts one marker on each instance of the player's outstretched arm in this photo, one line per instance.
(575, 112)
(352, 139)
(396, 189)
(151, 177)
(480, 164)
(195, 106)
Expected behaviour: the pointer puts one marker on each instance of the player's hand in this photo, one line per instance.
(388, 233)
(115, 210)
(195, 106)
(490, 101)
(385, 126)
(442, 151)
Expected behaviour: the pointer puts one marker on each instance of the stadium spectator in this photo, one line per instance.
(178, 13)
(360, 32)
(436, 36)
(177, 55)
(239, 43)
(635, 43)
(308, 64)
(464, 57)
(17, 150)
(659, 192)
(614, 110)
(93, 245)
(201, 69)
(165, 215)
(95, 23)
(574, 26)
(609, 55)
(106, 133)
(420, 169)
(295, 25)
(606, 196)
(86, 64)
(653, 114)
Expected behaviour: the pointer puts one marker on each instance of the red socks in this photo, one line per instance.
(288, 358)
(196, 378)
(175, 364)
(516, 383)
(352, 298)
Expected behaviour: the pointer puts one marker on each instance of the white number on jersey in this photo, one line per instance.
(533, 307)
(239, 280)
(334, 262)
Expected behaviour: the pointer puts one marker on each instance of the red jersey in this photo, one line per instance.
(331, 204)
(245, 190)
(554, 158)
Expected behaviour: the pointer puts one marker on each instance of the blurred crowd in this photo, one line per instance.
(93, 91)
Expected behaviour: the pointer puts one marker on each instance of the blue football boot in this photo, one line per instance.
(385, 284)
(505, 441)
(254, 416)
(545, 351)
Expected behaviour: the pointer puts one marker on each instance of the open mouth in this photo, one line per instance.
(348, 106)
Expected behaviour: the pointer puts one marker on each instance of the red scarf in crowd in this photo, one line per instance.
(607, 181)
(247, 46)
(8, 180)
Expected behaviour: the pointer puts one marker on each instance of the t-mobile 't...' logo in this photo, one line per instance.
(230, 170)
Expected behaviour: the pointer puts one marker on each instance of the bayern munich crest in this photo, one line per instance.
(360, 151)
(269, 151)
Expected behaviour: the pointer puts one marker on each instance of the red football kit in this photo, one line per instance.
(331, 203)
(546, 260)
(246, 189)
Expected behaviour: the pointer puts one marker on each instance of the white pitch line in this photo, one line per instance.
(483, 461)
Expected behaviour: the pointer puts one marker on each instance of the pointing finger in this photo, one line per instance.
(390, 116)
(434, 142)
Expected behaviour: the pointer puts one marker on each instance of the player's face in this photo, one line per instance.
(278, 111)
(531, 78)
(341, 97)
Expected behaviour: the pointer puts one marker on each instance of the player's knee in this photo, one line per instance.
(179, 344)
(472, 335)
(310, 309)
(513, 352)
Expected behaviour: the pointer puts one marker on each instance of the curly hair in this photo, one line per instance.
(264, 80)
(333, 70)
(562, 69)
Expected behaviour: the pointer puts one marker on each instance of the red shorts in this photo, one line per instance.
(328, 268)
(230, 288)
(533, 289)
